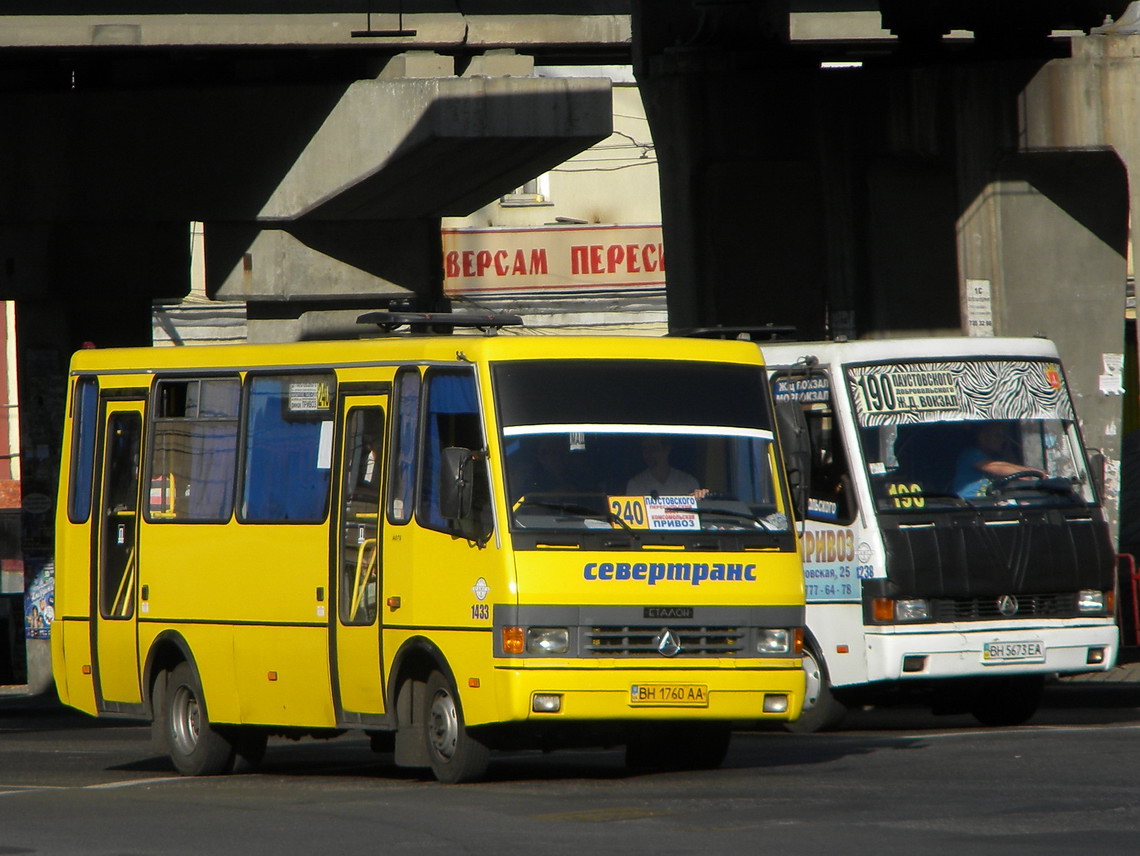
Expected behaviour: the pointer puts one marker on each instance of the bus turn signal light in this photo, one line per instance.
(514, 640)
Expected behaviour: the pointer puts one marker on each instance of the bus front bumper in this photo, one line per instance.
(955, 651)
(624, 694)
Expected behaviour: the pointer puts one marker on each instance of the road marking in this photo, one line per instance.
(106, 786)
(9, 790)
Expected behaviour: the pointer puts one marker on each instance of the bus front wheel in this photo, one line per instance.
(196, 747)
(822, 711)
(455, 755)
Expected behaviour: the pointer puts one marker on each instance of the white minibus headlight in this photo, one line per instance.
(547, 640)
(886, 610)
(916, 609)
(773, 641)
(1090, 600)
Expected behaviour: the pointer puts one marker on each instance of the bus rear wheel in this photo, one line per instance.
(455, 755)
(196, 747)
(822, 711)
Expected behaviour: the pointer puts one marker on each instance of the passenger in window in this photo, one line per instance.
(554, 469)
(660, 478)
(983, 461)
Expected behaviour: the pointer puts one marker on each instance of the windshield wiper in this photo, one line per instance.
(576, 509)
(1057, 485)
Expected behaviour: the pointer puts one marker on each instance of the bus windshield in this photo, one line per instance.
(638, 445)
(983, 433)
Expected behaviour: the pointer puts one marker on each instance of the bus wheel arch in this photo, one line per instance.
(822, 711)
(180, 724)
(166, 652)
(431, 731)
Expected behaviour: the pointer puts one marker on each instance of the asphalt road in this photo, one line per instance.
(896, 781)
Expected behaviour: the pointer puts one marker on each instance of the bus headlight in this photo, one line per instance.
(1091, 600)
(772, 641)
(912, 610)
(888, 610)
(547, 640)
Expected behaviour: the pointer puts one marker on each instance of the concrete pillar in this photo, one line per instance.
(1045, 210)
(742, 197)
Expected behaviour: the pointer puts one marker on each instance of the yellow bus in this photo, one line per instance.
(455, 543)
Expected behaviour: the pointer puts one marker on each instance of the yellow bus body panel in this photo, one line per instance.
(251, 602)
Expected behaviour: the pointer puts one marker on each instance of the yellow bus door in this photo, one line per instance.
(356, 574)
(116, 550)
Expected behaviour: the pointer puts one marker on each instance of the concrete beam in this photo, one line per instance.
(440, 147)
(327, 261)
(603, 25)
(374, 149)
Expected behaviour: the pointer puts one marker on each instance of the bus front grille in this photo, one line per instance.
(628, 641)
(1062, 605)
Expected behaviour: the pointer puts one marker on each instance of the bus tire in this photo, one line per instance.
(1001, 702)
(454, 754)
(196, 747)
(822, 711)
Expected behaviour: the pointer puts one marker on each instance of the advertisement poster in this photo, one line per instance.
(39, 601)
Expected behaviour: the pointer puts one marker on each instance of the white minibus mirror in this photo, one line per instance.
(795, 442)
(1097, 468)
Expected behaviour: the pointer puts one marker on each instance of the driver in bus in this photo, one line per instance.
(983, 462)
(660, 478)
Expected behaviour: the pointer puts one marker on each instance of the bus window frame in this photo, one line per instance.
(449, 527)
(396, 446)
(83, 459)
(251, 377)
(839, 440)
(153, 422)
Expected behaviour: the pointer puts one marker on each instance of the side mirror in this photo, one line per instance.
(795, 443)
(455, 483)
(1097, 468)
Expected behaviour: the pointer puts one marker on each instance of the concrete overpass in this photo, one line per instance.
(967, 165)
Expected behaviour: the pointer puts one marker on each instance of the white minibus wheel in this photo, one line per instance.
(822, 711)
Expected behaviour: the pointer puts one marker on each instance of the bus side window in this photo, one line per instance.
(84, 418)
(402, 477)
(194, 452)
(452, 419)
(288, 449)
(360, 503)
(830, 494)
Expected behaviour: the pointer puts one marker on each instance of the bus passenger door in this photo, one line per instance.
(355, 647)
(116, 566)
